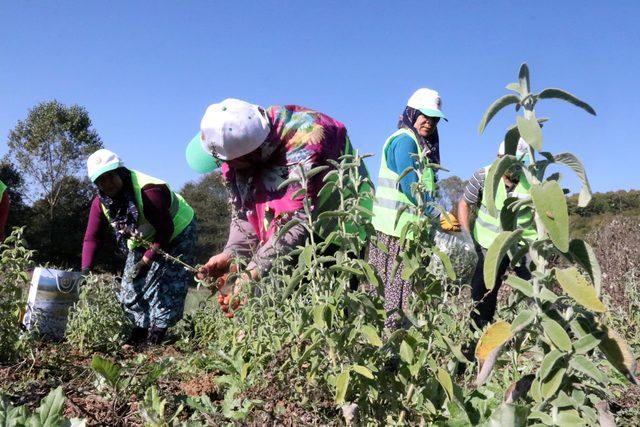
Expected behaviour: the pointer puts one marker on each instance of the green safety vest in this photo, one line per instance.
(3, 188)
(487, 227)
(390, 199)
(181, 212)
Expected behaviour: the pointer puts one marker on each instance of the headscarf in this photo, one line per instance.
(430, 146)
(299, 138)
(122, 209)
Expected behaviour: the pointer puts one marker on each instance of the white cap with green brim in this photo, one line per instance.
(522, 151)
(102, 161)
(198, 158)
(428, 102)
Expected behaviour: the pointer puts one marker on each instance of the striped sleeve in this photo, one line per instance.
(473, 189)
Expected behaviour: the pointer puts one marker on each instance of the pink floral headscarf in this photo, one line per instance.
(299, 137)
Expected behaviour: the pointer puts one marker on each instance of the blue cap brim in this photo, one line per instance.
(433, 113)
(198, 159)
(104, 170)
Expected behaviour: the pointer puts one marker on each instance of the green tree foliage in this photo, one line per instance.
(50, 145)
(58, 240)
(604, 208)
(48, 148)
(15, 188)
(209, 199)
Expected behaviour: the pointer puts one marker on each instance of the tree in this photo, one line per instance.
(15, 188)
(59, 242)
(451, 189)
(47, 148)
(208, 198)
(50, 145)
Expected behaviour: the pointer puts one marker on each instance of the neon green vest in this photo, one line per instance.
(390, 199)
(487, 227)
(3, 188)
(181, 212)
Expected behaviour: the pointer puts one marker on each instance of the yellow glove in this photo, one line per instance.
(448, 222)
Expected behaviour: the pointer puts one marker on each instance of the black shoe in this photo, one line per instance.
(138, 335)
(156, 335)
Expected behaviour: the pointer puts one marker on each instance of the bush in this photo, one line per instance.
(15, 260)
(97, 321)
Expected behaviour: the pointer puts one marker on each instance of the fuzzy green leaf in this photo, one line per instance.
(406, 352)
(342, 383)
(445, 381)
(523, 79)
(550, 386)
(493, 109)
(584, 255)
(574, 285)
(496, 252)
(520, 284)
(494, 178)
(569, 418)
(107, 370)
(582, 364)
(575, 164)
(508, 414)
(548, 363)
(557, 334)
(551, 206)
(524, 319)
(550, 93)
(363, 370)
(49, 413)
(371, 335)
(514, 87)
(586, 344)
(530, 131)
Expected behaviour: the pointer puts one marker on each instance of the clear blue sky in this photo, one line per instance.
(146, 71)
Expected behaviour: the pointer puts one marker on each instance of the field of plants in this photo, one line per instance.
(308, 349)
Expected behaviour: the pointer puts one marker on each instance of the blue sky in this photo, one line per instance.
(146, 71)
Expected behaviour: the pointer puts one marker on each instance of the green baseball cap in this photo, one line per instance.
(198, 159)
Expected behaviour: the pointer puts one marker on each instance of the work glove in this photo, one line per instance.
(140, 269)
(448, 222)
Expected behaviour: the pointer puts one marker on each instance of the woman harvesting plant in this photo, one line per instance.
(415, 141)
(141, 208)
(263, 154)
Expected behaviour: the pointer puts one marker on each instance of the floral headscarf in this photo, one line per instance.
(122, 210)
(299, 138)
(431, 146)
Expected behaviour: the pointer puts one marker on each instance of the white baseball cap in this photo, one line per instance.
(521, 150)
(102, 161)
(428, 101)
(233, 128)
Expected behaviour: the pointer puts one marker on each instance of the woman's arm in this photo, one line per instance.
(401, 154)
(266, 254)
(156, 202)
(92, 234)
(472, 196)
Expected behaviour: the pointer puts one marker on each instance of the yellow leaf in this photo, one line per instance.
(576, 286)
(495, 336)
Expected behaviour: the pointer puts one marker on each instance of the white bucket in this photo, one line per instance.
(51, 294)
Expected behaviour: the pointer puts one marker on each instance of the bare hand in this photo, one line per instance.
(216, 266)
